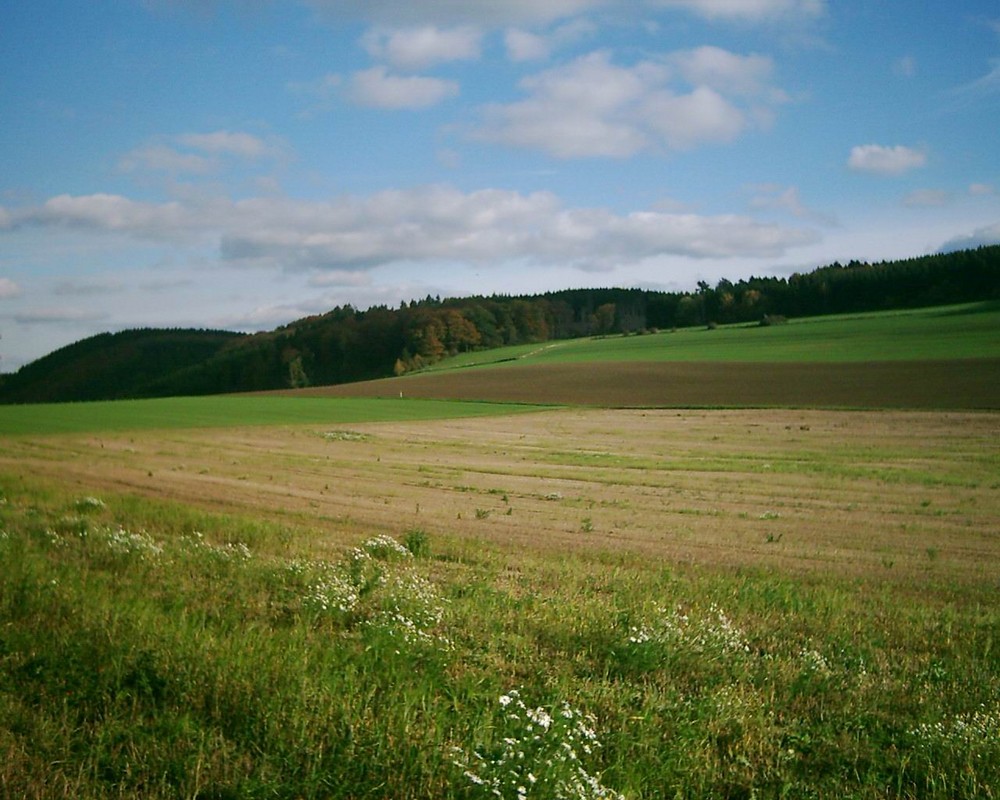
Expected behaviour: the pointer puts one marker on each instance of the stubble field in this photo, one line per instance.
(567, 603)
(844, 492)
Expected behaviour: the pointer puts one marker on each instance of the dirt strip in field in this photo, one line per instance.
(970, 383)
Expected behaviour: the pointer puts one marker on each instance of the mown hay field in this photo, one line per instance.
(566, 603)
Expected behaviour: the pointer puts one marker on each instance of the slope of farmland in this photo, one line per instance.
(924, 358)
(968, 383)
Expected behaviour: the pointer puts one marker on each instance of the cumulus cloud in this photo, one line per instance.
(426, 224)
(8, 289)
(594, 107)
(881, 160)
(525, 46)
(728, 72)
(112, 212)
(422, 47)
(376, 88)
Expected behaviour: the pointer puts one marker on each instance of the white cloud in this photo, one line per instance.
(593, 107)
(526, 46)
(727, 72)
(116, 213)
(8, 289)
(926, 198)
(882, 160)
(982, 189)
(419, 48)
(748, 10)
(523, 45)
(375, 87)
(427, 224)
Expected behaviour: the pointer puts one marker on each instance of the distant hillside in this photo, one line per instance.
(111, 366)
(346, 345)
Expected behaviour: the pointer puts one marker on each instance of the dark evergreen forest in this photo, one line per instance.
(347, 344)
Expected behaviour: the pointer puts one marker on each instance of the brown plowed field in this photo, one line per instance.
(970, 384)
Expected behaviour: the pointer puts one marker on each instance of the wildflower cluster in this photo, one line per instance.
(331, 592)
(712, 634)
(376, 587)
(89, 503)
(131, 543)
(230, 551)
(537, 753)
(977, 732)
(815, 663)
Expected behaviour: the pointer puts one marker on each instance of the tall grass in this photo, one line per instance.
(150, 651)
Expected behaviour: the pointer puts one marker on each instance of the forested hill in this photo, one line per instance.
(346, 344)
(113, 365)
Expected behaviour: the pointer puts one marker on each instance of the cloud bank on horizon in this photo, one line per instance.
(242, 163)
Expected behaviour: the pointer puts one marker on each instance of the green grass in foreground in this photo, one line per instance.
(151, 651)
(965, 331)
(229, 411)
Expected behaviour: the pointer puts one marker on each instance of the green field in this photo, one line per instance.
(226, 411)
(953, 332)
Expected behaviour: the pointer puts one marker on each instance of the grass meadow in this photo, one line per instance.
(950, 332)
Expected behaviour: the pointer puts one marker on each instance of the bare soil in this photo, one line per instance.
(897, 494)
(927, 384)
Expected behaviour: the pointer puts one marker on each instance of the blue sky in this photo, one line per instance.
(240, 164)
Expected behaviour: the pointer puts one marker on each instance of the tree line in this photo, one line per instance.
(347, 344)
